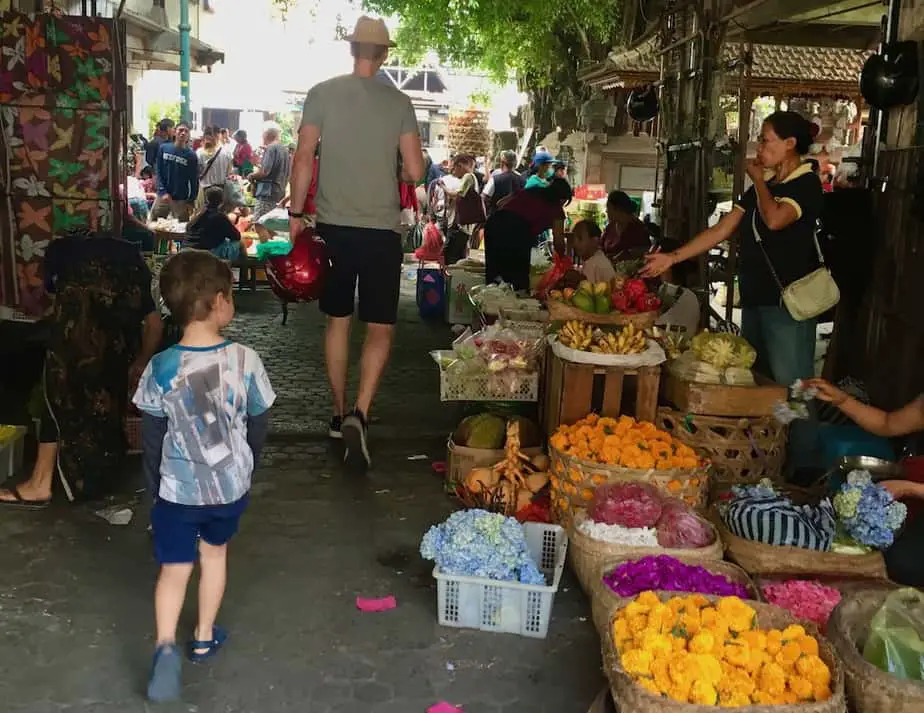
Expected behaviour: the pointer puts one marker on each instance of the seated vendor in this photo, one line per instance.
(625, 236)
(903, 559)
(213, 231)
(595, 265)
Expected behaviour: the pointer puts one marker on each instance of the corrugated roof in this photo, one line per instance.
(774, 63)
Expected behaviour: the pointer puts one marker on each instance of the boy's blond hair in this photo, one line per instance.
(189, 283)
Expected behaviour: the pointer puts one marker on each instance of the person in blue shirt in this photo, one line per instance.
(542, 170)
(177, 178)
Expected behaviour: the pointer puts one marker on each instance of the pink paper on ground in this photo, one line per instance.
(444, 707)
(374, 605)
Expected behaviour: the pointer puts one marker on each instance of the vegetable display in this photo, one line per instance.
(670, 574)
(867, 512)
(693, 651)
(477, 543)
(624, 442)
(808, 600)
(586, 337)
(723, 350)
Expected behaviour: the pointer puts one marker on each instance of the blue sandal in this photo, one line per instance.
(219, 637)
(164, 683)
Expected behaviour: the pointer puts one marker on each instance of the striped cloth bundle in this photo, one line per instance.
(775, 520)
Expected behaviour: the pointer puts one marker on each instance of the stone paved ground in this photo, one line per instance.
(75, 593)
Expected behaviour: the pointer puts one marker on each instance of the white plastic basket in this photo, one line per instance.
(507, 607)
(11, 453)
(488, 387)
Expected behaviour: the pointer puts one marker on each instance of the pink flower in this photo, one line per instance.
(808, 600)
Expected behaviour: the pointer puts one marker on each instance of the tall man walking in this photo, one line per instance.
(362, 122)
(177, 178)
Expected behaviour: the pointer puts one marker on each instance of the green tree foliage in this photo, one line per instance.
(162, 110)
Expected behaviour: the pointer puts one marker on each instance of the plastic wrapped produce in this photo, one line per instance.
(681, 528)
(626, 504)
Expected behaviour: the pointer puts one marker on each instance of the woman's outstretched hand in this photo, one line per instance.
(656, 264)
(901, 489)
(827, 391)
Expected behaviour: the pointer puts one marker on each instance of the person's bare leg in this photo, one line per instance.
(38, 487)
(337, 354)
(376, 350)
(169, 596)
(213, 573)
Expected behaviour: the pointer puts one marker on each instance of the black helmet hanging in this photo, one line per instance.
(891, 79)
(643, 103)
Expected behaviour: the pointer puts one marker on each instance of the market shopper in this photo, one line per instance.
(783, 205)
(445, 195)
(271, 177)
(215, 164)
(625, 236)
(362, 122)
(205, 412)
(212, 230)
(542, 169)
(177, 178)
(104, 329)
(510, 234)
(903, 558)
(503, 182)
(595, 265)
(163, 134)
(243, 154)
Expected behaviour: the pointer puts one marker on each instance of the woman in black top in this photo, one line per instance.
(783, 206)
(212, 230)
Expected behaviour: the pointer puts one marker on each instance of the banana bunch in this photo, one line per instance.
(630, 340)
(8, 433)
(576, 335)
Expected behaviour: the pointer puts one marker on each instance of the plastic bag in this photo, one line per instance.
(626, 504)
(560, 265)
(680, 528)
(896, 636)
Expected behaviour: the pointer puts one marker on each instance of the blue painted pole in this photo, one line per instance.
(185, 109)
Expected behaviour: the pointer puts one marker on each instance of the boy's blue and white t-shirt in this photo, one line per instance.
(206, 395)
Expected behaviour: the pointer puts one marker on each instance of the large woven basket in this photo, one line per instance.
(632, 698)
(604, 601)
(869, 690)
(588, 554)
(742, 450)
(561, 312)
(462, 459)
(759, 558)
(575, 479)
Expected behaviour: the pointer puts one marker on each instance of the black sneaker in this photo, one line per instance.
(334, 429)
(354, 432)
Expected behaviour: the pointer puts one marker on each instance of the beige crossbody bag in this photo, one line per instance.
(809, 296)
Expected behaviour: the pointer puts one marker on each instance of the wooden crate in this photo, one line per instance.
(571, 391)
(721, 400)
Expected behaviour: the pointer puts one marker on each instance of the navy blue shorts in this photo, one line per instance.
(177, 528)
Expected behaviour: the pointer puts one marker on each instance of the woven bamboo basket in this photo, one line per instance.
(575, 479)
(587, 554)
(869, 690)
(561, 312)
(742, 450)
(758, 558)
(604, 601)
(632, 698)
(461, 459)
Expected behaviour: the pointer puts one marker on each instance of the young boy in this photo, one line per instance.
(596, 266)
(204, 405)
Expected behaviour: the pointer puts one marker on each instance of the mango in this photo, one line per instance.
(584, 301)
(602, 304)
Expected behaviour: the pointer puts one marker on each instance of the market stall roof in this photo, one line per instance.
(815, 71)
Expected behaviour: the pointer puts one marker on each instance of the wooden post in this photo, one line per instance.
(745, 101)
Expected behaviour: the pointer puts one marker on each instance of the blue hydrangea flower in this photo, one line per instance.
(477, 543)
(867, 512)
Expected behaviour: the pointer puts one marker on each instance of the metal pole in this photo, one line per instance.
(185, 110)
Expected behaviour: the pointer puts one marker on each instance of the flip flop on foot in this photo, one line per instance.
(19, 502)
(164, 684)
(201, 650)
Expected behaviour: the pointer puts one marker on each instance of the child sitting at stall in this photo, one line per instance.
(585, 240)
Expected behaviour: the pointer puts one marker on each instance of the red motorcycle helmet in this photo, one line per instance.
(299, 276)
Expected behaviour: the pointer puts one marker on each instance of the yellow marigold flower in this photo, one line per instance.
(649, 685)
(679, 643)
(756, 639)
(740, 616)
(756, 660)
(698, 601)
(734, 699)
(633, 609)
(709, 669)
(736, 652)
(736, 680)
(620, 629)
(703, 693)
(793, 631)
(680, 691)
(661, 619)
(690, 621)
(789, 654)
(772, 680)
(809, 645)
(821, 693)
(702, 643)
(677, 604)
(656, 644)
(638, 623)
(774, 641)
(801, 687)
(814, 669)
(682, 669)
(636, 662)
(659, 672)
(648, 599)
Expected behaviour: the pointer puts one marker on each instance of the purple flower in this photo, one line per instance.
(670, 574)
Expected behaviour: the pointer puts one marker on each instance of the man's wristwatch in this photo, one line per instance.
(293, 214)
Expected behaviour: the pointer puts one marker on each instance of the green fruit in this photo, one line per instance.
(485, 430)
(583, 301)
(602, 304)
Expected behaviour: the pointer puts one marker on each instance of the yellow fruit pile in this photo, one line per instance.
(693, 651)
(624, 442)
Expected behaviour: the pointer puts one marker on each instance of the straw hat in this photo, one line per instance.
(370, 31)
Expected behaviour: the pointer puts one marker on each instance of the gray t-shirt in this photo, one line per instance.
(360, 120)
(276, 164)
